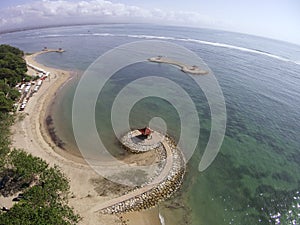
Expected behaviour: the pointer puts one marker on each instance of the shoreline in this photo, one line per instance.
(62, 76)
(31, 135)
(45, 127)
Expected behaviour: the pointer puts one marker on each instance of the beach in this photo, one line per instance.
(30, 134)
(148, 217)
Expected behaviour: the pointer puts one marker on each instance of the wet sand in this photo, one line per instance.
(149, 217)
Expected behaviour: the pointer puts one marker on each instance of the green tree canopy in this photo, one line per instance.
(7, 48)
(12, 64)
(12, 71)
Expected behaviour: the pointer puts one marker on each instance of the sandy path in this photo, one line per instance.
(144, 189)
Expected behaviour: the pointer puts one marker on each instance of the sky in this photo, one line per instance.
(276, 19)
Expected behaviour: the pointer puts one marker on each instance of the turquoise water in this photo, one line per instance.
(256, 175)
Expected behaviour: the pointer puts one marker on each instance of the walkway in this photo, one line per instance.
(134, 199)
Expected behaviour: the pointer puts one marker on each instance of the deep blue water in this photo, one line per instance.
(257, 172)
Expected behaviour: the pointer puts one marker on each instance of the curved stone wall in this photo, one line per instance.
(156, 192)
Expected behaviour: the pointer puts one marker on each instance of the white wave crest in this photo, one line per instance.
(104, 34)
(48, 36)
(162, 219)
(215, 44)
(143, 36)
(150, 37)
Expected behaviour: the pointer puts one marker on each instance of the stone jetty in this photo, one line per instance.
(195, 70)
(158, 189)
(134, 144)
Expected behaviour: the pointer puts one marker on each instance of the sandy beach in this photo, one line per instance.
(31, 135)
(149, 217)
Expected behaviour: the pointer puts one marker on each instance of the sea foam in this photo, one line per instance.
(162, 219)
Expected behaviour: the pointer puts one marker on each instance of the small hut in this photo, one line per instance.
(145, 132)
(194, 67)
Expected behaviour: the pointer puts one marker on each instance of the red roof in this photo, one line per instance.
(145, 131)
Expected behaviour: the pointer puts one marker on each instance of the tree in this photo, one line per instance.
(45, 193)
(6, 104)
(14, 94)
(12, 71)
(12, 64)
(7, 48)
(45, 189)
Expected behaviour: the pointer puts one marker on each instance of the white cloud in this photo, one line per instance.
(50, 12)
(2, 21)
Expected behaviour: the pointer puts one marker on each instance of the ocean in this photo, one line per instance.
(255, 178)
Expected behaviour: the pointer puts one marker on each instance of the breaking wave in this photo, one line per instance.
(166, 38)
(162, 219)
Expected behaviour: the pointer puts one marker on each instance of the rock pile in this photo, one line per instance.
(128, 141)
(160, 191)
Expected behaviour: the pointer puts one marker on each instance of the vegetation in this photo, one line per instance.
(42, 190)
(5, 121)
(12, 65)
(12, 71)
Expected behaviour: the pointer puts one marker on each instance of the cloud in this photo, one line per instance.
(55, 12)
(2, 21)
